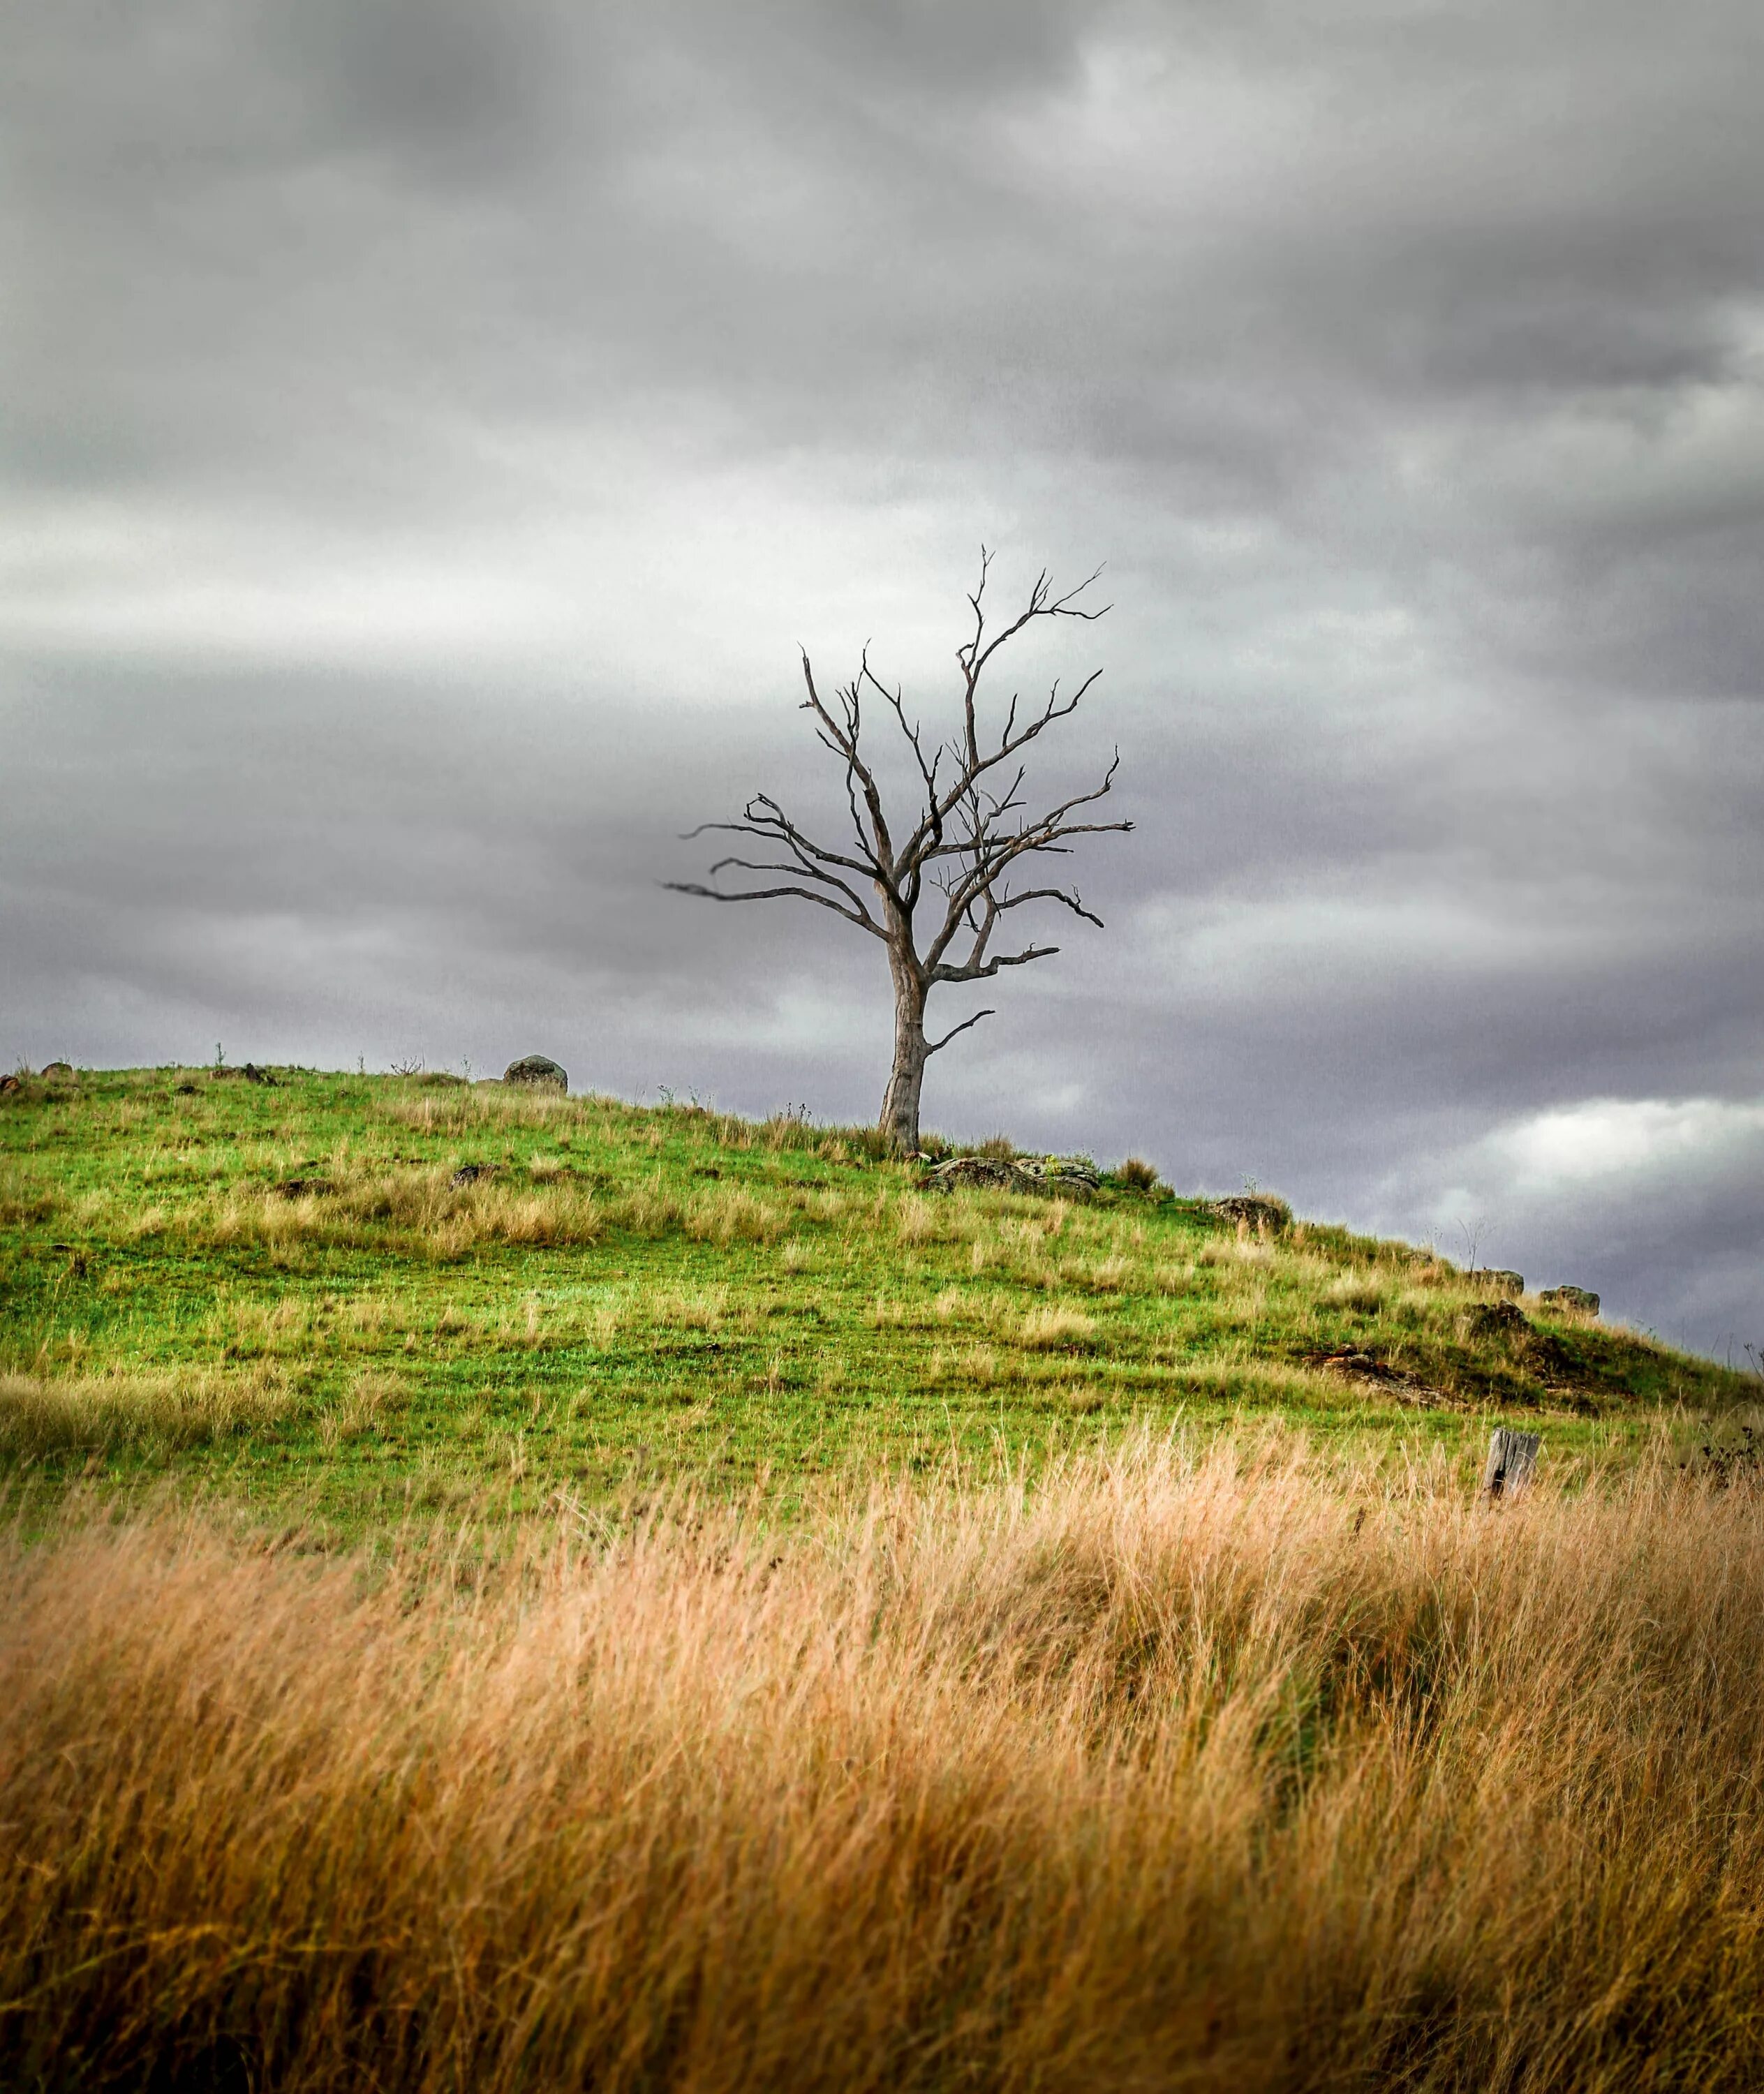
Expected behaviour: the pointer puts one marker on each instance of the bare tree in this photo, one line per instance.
(941, 870)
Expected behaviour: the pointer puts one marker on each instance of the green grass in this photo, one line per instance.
(631, 1295)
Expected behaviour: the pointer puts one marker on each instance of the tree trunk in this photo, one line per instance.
(900, 1101)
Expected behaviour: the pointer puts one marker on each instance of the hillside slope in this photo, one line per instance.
(378, 1292)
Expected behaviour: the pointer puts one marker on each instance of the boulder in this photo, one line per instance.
(1495, 1319)
(538, 1071)
(1260, 1211)
(1066, 1177)
(58, 1068)
(8, 1083)
(1573, 1300)
(1498, 1281)
(469, 1173)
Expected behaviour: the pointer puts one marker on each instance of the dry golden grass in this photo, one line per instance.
(363, 1204)
(1055, 1329)
(42, 1413)
(1224, 1773)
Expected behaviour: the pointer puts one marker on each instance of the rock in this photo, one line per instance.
(1064, 1177)
(1366, 1365)
(1574, 1300)
(58, 1068)
(249, 1073)
(186, 1090)
(1260, 1211)
(537, 1070)
(304, 1189)
(469, 1173)
(1501, 1282)
(1495, 1319)
(8, 1083)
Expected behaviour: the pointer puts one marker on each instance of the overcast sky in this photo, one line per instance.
(430, 427)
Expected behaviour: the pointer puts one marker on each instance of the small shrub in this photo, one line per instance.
(1137, 1176)
(1727, 1452)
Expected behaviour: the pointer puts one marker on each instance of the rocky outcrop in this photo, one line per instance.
(1498, 1281)
(1495, 1319)
(1259, 1212)
(1571, 1300)
(538, 1071)
(1068, 1177)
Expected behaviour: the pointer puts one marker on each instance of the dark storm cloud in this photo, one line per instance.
(429, 428)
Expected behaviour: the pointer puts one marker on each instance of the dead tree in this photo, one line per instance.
(934, 879)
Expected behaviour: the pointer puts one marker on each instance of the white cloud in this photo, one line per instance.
(1604, 1139)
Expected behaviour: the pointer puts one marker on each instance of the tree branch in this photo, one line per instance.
(932, 1046)
(776, 894)
(844, 741)
(1060, 894)
(985, 970)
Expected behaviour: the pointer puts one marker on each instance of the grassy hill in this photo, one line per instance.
(299, 1290)
(1223, 1760)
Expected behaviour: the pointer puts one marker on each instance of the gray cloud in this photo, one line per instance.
(431, 428)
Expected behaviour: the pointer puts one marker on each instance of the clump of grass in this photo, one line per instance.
(362, 1205)
(360, 1411)
(1137, 1176)
(1056, 1330)
(1226, 1774)
(25, 1199)
(1360, 1292)
(43, 1414)
(916, 1221)
(727, 1214)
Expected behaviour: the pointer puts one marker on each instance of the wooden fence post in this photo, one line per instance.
(1512, 1457)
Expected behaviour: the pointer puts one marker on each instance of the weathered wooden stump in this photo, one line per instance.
(1512, 1458)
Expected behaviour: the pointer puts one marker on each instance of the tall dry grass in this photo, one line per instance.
(44, 1414)
(1182, 1773)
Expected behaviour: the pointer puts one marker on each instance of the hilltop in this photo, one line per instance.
(375, 1293)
